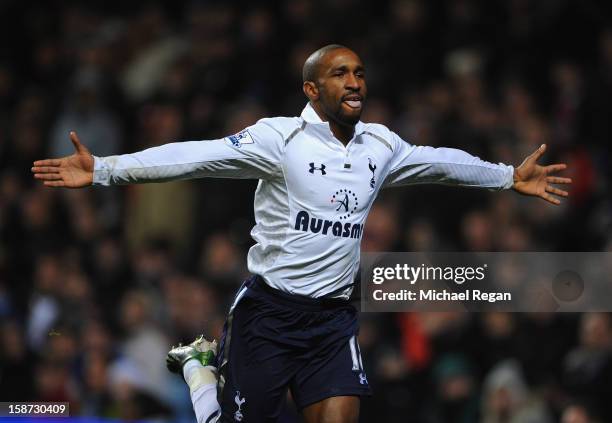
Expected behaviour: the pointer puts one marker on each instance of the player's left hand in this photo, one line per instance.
(532, 179)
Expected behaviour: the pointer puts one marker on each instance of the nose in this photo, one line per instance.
(351, 82)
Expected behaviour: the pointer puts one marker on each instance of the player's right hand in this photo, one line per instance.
(75, 171)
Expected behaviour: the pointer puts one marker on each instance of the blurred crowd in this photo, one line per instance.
(96, 284)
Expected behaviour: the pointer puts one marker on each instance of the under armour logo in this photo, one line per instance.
(363, 380)
(372, 167)
(313, 168)
(238, 416)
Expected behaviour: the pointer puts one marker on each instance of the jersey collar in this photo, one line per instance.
(311, 117)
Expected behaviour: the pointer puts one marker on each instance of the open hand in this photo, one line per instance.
(73, 171)
(532, 179)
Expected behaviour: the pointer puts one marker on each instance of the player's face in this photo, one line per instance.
(342, 86)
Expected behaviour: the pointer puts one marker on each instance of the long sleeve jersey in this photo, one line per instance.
(314, 192)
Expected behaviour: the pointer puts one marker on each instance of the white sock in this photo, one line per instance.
(202, 383)
(205, 403)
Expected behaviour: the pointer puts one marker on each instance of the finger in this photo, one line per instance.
(45, 169)
(538, 153)
(48, 176)
(54, 183)
(76, 142)
(556, 191)
(558, 180)
(556, 168)
(550, 199)
(48, 162)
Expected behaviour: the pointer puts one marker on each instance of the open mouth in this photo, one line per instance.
(355, 104)
(354, 101)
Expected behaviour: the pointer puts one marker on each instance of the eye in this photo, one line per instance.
(338, 73)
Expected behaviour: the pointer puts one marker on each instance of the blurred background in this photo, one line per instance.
(96, 284)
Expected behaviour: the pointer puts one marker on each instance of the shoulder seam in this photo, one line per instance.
(295, 132)
(380, 139)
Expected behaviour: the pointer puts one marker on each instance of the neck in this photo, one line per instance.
(343, 132)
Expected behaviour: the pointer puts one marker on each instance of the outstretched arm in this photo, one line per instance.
(75, 171)
(420, 164)
(449, 166)
(253, 153)
(532, 179)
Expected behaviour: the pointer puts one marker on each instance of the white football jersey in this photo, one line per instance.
(314, 193)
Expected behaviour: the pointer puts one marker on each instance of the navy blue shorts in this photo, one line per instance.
(275, 341)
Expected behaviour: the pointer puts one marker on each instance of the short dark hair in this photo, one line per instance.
(310, 71)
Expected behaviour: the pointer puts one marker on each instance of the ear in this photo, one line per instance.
(311, 90)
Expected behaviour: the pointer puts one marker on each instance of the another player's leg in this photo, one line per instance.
(196, 362)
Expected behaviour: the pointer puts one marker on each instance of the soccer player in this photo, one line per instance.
(290, 325)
